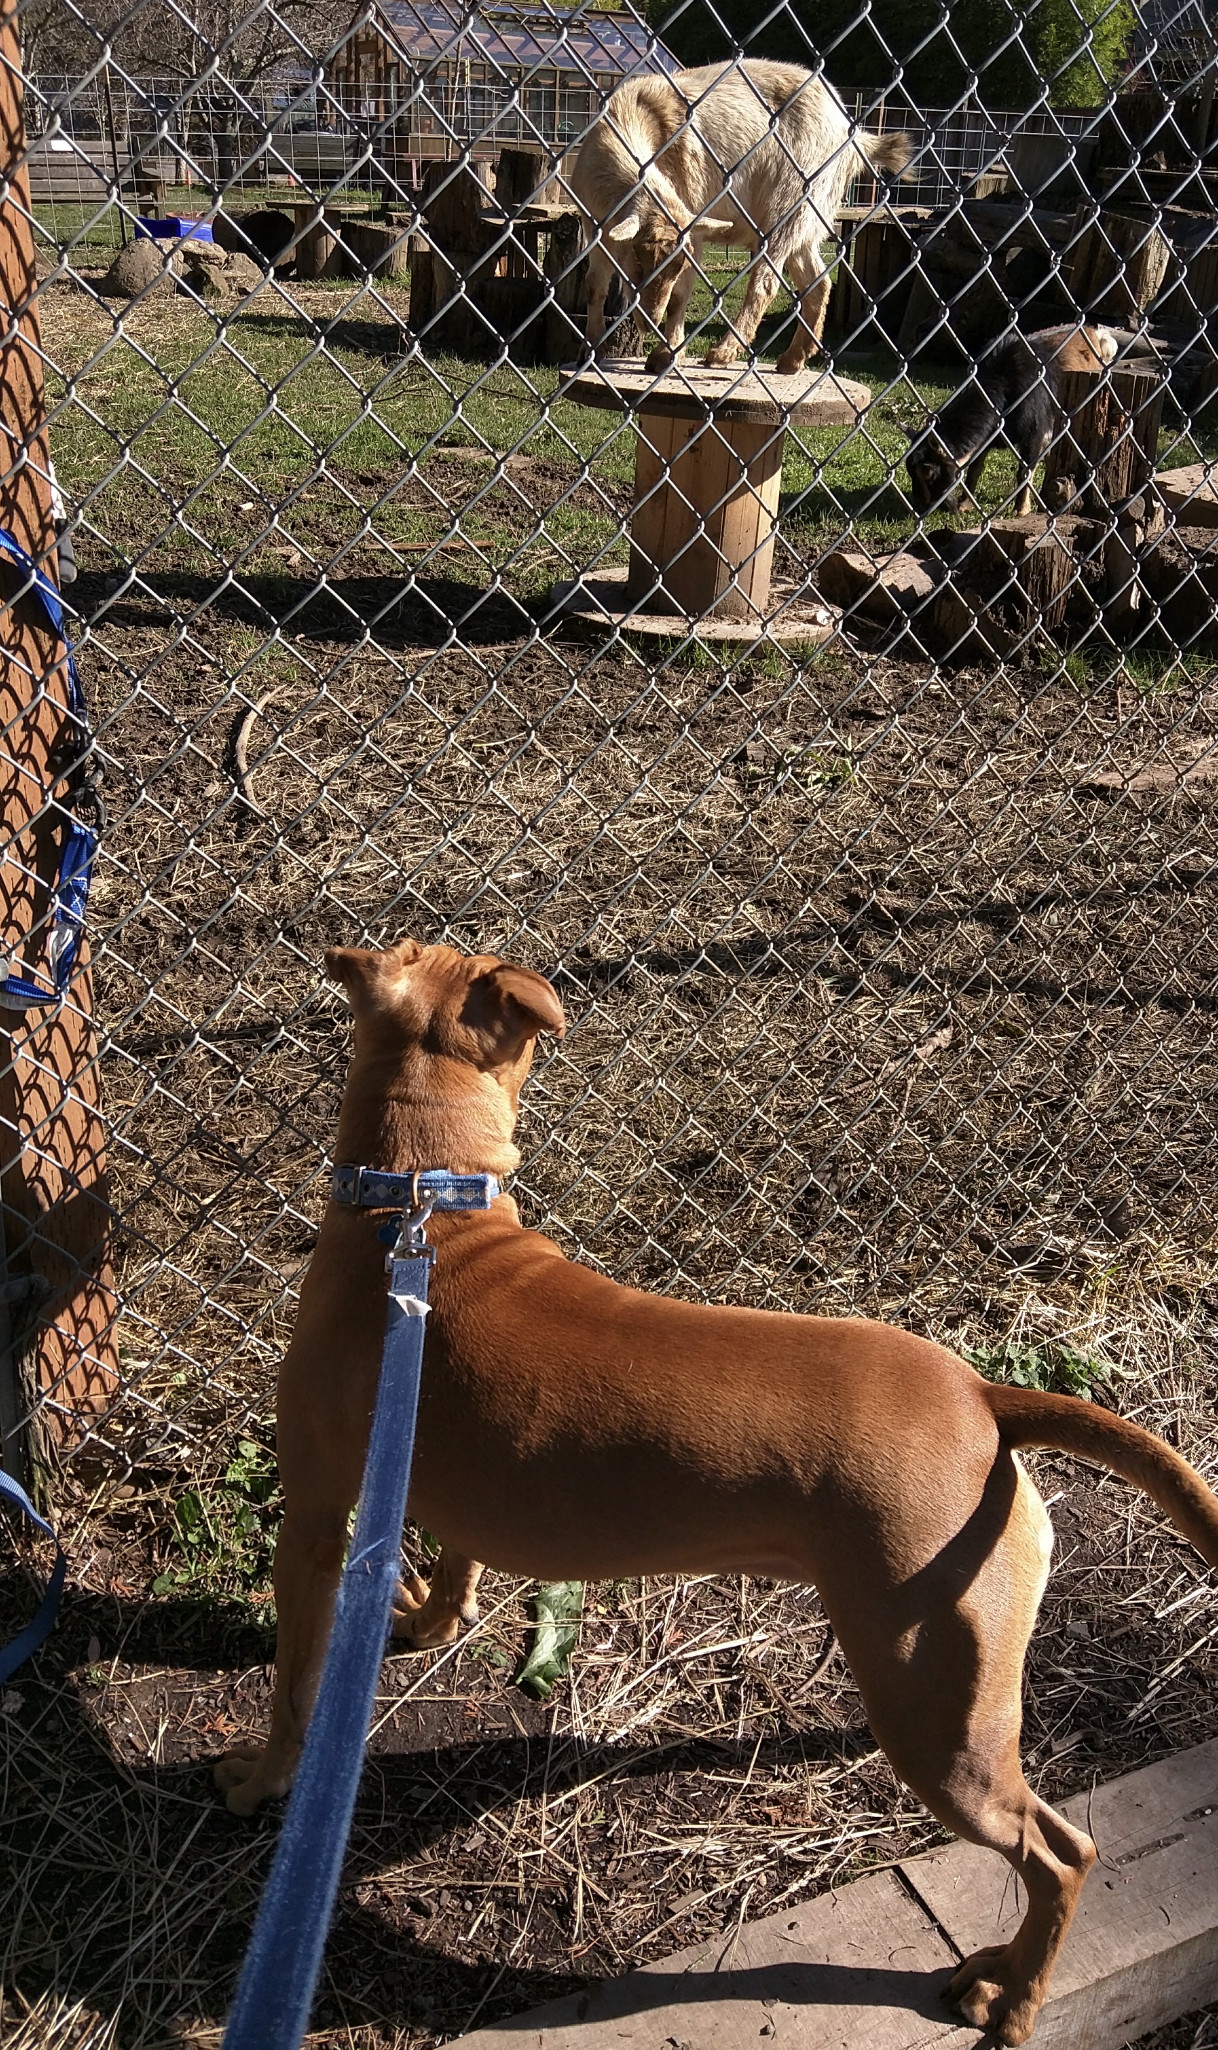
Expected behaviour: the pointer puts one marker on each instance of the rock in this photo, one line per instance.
(209, 281)
(208, 255)
(243, 274)
(138, 268)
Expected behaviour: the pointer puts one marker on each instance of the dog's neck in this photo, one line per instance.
(427, 1112)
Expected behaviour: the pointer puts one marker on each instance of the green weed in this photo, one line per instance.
(1050, 1365)
(223, 1537)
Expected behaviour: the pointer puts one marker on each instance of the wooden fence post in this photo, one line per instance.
(57, 1336)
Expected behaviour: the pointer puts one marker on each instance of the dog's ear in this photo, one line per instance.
(512, 1004)
(361, 970)
(526, 991)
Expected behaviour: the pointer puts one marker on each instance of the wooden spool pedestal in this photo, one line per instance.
(708, 470)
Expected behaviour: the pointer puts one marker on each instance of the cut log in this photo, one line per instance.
(453, 201)
(1190, 495)
(1180, 572)
(1201, 287)
(382, 252)
(1105, 453)
(520, 176)
(1117, 266)
(318, 241)
(566, 309)
(884, 588)
(1037, 227)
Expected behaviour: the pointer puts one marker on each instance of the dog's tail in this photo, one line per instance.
(1064, 1423)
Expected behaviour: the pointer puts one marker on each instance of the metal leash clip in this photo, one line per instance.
(410, 1242)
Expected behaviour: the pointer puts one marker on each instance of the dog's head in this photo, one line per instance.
(935, 474)
(450, 1037)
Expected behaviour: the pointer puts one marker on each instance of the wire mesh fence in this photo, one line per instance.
(656, 523)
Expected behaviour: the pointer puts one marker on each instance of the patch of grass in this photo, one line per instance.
(1050, 1365)
(224, 1536)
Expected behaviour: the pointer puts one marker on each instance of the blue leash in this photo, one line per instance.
(78, 848)
(281, 1967)
(28, 1640)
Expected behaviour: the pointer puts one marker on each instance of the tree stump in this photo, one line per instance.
(872, 283)
(1105, 453)
(444, 285)
(567, 276)
(1118, 265)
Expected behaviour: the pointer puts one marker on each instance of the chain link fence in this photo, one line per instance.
(850, 769)
(839, 898)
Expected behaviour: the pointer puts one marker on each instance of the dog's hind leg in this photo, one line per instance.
(426, 1617)
(940, 1680)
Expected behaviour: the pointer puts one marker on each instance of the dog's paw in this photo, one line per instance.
(421, 1624)
(983, 1991)
(722, 355)
(661, 358)
(244, 1780)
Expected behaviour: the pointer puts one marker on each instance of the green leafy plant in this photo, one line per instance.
(223, 1536)
(1050, 1365)
(559, 1608)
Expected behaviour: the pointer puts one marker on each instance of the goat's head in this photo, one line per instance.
(935, 472)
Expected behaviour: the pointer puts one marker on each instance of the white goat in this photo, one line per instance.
(749, 152)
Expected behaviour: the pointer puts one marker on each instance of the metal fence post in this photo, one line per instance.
(58, 1295)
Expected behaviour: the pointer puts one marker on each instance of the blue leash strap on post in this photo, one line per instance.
(78, 847)
(28, 1640)
(279, 1975)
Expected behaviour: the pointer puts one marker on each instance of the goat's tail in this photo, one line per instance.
(892, 153)
(1064, 1423)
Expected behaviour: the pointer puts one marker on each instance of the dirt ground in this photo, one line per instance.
(882, 1000)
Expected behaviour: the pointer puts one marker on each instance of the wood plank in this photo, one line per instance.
(866, 1966)
(742, 391)
(1144, 1946)
(861, 1967)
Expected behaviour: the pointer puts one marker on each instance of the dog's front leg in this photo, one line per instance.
(426, 1618)
(308, 1564)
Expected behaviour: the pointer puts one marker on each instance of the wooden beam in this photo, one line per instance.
(867, 1964)
(60, 1357)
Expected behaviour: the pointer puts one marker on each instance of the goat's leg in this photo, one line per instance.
(666, 352)
(764, 280)
(812, 284)
(972, 476)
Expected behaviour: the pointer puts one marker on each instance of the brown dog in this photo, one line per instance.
(665, 1437)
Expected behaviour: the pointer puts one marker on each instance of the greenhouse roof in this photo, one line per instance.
(582, 39)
